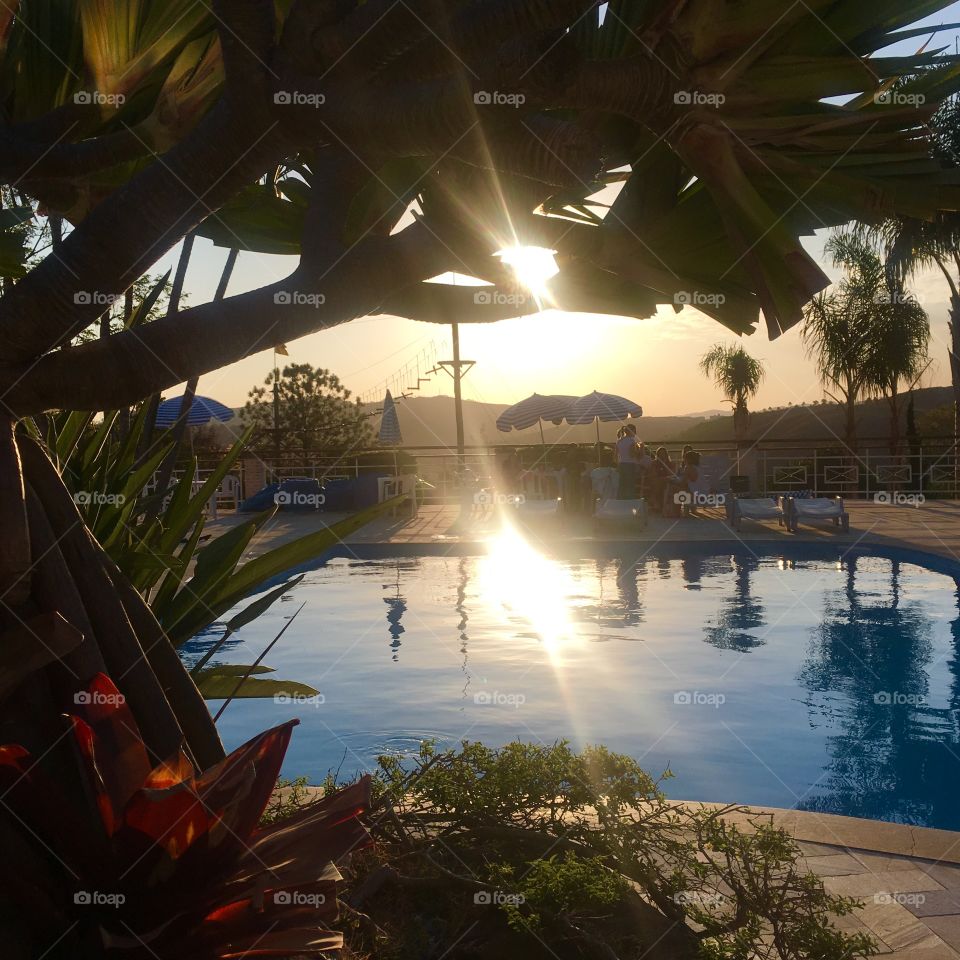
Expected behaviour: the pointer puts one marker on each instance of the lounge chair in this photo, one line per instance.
(810, 509)
(624, 512)
(531, 509)
(761, 508)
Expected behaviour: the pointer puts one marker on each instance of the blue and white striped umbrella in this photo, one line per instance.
(202, 410)
(602, 406)
(534, 410)
(390, 423)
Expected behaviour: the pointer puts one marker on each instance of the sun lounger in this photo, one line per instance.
(624, 512)
(814, 509)
(762, 508)
(531, 509)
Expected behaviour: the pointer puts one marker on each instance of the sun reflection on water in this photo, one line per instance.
(518, 580)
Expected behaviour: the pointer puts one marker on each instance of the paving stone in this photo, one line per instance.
(836, 865)
(896, 926)
(884, 863)
(869, 884)
(945, 874)
(947, 928)
(935, 903)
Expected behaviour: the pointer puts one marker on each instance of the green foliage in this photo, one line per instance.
(584, 845)
(314, 412)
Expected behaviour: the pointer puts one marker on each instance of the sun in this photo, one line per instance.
(534, 267)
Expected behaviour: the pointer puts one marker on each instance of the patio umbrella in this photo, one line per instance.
(596, 406)
(535, 409)
(389, 434)
(202, 410)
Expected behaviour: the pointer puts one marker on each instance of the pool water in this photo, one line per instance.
(818, 682)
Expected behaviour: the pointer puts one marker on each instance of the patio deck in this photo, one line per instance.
(908, 878)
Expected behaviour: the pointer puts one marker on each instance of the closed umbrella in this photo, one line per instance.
(202, 410)
(390, 423)
(607, 407)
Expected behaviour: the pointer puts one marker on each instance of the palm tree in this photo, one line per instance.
(867, 334)
(912, 245)
(738, 376)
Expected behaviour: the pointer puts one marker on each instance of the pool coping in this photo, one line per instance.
(831, 829)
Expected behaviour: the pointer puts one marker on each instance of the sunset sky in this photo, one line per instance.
(652, 361)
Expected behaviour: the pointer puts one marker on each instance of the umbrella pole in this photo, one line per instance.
(543, 443)
(599, 458)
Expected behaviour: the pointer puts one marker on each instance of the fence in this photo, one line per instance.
(769, 467)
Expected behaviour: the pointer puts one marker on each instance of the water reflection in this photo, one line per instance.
(741, 613)
(396, 608)
(892, 754)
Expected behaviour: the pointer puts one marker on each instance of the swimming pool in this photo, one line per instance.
(806, 678)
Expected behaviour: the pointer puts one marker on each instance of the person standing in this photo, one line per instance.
(628, 462)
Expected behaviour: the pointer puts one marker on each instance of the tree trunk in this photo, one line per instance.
(894, 400)
(954, 325)
(850, 430)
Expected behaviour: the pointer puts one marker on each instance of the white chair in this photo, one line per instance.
(761, 508)
(816, 508)
(404, 486)
(627, 513)
(604, 482)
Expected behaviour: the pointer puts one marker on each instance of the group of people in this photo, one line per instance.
(658, 478)
(628, 472)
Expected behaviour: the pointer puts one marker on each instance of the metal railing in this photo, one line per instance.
(766, 468)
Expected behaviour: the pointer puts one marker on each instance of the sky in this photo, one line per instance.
(653, 361)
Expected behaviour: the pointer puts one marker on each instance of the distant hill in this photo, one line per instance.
(429, 421)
